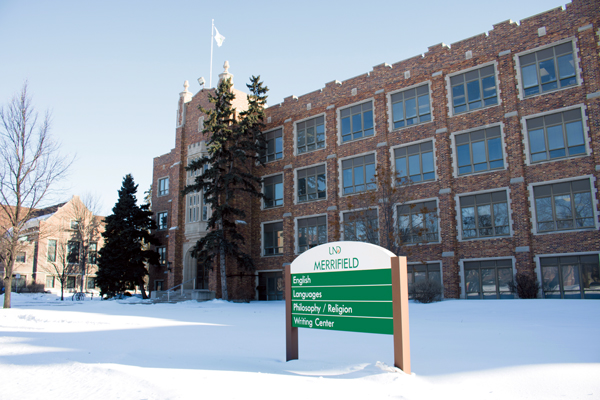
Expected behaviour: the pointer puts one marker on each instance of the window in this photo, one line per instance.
(484, 215)
(311, 232)
(548, 69)
(200, 124)
(74, 224)
(571, 276)
(310, 135)
(357, 122)
(488, 279)
(273, 186)
(479, 151)
(474, 89)
(51, 250)
(273, 238)
(20, 257)
(49, 281)
(162, 255)
(563, 206)
(194, 202)
(73, 252)
(418, 222)
(312, 184)
(411, 107)
(91, 282)
(270, 286)
(556, 135)
(422, 273)
(274, 149)
(415, 162)
(158, 285)
(359, 174)
(70, 282)
(163, 186)
(92, 253)
(162, 220)
(361, 226)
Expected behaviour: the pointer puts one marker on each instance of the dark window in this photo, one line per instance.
(158, 285)
(488, 279)
(361, 226)
(92, 253)
(556, 136)
(74, 224)
(20, 257)
(479, 151)
(312, 184)
(357, 122)
(548, 69)
(422, 273)
(273, 186)
(91, 282)
(162, 255)
(484, 215)
(163, 186)
(162, 220)
(415, 162)
(359, 174)
(273, 238)
(474, 89)
(310, 134)
(49, 281)
(73, 252)
(270, 286)
(70, 282)
(311, 232)
(274, 149)
(571, 277)
(563, 206)
(411, 107)
(418, 222)
(51, 250)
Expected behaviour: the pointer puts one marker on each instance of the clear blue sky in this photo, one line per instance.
(111, 71)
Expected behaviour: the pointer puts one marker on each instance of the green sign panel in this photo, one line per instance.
(356, 300)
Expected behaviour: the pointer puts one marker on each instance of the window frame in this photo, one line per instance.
(427, 266)
(455, 159)
(159, 226)
(92, 256)
(449, 86)
(21, 257)
(340, 121)
(264, 189)
(306, 120)
(162, 255)
(403, 90)
(410, 144)
(73, 259)
(594, 204)
(162, 186)
(264, 155)
(48, 247)
(297, 226)
(460, 225)
(358, 210)
(586, 134)
(53, 280)
(416, 202)
(341, 173)
(263, 240)
(462, 275)
(519, 70)
(316, 175)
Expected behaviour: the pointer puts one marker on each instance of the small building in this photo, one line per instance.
(498, 135)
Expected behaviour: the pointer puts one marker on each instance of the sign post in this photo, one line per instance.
(348, 286)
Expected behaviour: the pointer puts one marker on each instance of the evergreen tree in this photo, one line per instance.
(233, 149)
(123, 259)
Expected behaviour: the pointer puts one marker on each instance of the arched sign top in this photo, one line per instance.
(342, 256)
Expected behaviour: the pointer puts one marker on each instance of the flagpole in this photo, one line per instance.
(212, 35)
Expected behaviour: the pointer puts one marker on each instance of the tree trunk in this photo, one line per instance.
(223, 275)
(7, 289)
(142, 289)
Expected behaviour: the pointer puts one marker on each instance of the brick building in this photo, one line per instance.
(54, 241)
(499, 135)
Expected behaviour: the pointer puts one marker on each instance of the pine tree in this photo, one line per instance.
(123, 259)
(233, 149)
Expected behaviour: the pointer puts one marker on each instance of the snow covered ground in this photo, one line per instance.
(502, 349)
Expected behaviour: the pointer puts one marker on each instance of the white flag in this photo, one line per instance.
(219, 38)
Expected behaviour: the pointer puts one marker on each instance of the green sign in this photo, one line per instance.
(349, 288)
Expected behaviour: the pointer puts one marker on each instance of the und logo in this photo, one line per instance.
(335, 250)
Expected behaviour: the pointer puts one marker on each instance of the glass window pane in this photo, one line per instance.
(472, 281)
(479, 155)
(411, 108)
(530, 78)
(464, 155)
(414, 166)
(563, 207)
(570, 277)
(427, 161)
(458, 95)
(473, 91)
(566, 66)
(575, 133)
(555, 137)
(424, 104)
(356, 123)
(537, 143)
(547, 73)
(397, 111)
